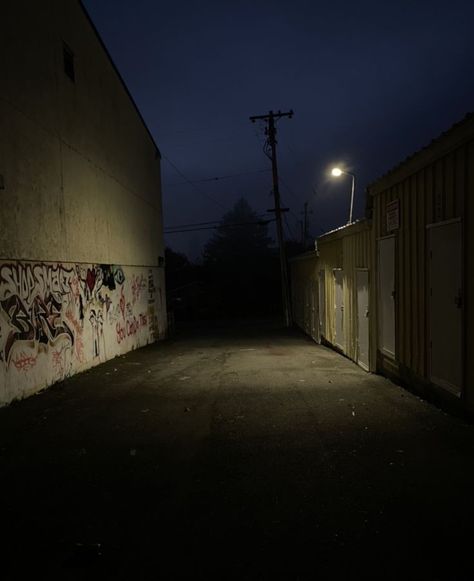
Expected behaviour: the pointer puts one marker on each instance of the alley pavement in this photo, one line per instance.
(240, 451)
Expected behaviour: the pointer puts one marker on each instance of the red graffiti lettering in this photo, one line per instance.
(120, 329)
(24, 362)
(132, 326)
(122, 303)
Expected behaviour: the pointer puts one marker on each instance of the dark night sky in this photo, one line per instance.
(370, 82)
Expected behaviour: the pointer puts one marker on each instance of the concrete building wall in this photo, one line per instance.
(75, 153)
(57, 319)
(80, 196)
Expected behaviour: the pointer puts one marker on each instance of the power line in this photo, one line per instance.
(191, 230)
(288, 226)
(193, 224)
(294, 216)
(309, 231)
(219, 177)
(290, 231)
(207, 130)
(289, 190)
(200, 223)
(177, 170)
(221, 226)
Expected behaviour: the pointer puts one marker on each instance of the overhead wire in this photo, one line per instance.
(202, 223)
(265, 146)
(290, 231)
(219, 177)
(242, 128)
(317, 224)
(206, 195)
(264, 143)
(285, 220)
(206, 225)
(221, 226)
(288, 189)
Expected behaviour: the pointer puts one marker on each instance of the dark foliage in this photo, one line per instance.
(240, 268)
(184, 287)
(239, 275)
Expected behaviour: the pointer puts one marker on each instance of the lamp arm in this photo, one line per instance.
(352, 196)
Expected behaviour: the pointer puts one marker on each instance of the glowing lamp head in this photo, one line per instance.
(336, 172)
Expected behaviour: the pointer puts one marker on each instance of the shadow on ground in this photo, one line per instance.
(234, 452)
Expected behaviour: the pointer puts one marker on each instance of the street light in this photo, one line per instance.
(337, 172)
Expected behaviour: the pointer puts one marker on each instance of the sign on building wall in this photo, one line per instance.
(392, 212)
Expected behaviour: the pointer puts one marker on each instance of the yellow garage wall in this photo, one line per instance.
(330, 257)
(304, 292)
(434, 185)
(348, 248)
(469, 279)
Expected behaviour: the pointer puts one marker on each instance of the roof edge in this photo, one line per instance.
(304, 256)
(346, 229)
(117, 72)
(446, 142)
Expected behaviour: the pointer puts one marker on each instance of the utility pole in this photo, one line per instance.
(305, 228)
(270, 131)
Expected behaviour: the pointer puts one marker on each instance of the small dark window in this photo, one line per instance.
(68, 56)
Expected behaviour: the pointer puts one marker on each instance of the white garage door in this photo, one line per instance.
(386, 296)
(362, 277)
(339, 307)
(445, 305)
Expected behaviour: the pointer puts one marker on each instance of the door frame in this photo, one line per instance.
(429, 227)
(338, 345)
(315, 328)
(387, 354)
(369, 306)
(322, 304)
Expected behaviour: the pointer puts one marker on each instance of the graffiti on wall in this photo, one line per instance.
(68, 315)
(152, 325)
(31, 297)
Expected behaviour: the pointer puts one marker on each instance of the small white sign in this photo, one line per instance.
(392, 212)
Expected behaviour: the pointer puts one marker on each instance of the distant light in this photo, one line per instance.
(336, 172)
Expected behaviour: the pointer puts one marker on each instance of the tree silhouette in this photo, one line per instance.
(183, 285)
(240, 233)
(241, 267)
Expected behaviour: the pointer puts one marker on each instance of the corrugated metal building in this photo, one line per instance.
(344, 275)
(304, 293)
(423, 249)
(331, 291)
(416, 260)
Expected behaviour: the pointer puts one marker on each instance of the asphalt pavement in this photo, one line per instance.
(238, 451)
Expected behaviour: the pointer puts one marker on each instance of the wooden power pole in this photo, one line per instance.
(271, 134)
(305, 228)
